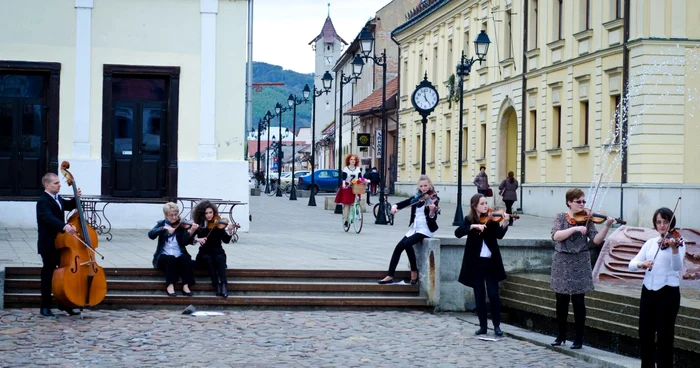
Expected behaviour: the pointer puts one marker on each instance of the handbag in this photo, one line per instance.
(500, 192)
(489, 192)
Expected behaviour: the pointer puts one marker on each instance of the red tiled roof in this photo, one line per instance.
(373, 102)
(328, 33)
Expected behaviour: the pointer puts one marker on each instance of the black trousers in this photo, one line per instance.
(579, 314)
(509, 209)
(657, 320)
(483, 277)
(215, 264)
(51, 259)
(174, 267)
(406, 244)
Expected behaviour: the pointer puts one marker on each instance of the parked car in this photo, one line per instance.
(297, 174)
(325, 180)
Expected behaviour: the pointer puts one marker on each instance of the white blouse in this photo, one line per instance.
(666, 270)
(420, 224)
(351, 174)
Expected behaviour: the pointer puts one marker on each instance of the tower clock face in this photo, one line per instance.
(329, 60)
(425, 98)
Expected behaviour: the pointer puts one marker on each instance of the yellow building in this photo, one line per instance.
(558, 124)
(146, 101)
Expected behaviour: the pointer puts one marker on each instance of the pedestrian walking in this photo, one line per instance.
(662, 258)
(422, 224)
(345, 196)
(481, 180)
(507, 190)
(368, 177)
(571, 264)
(482, 265)
(376, 178)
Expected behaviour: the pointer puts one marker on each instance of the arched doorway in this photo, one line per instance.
(507, 144)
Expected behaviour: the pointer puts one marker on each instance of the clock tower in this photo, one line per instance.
(328, 46)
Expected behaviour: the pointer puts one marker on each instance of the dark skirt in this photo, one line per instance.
(345, 196)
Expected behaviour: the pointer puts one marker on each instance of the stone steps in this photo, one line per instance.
(145, 288)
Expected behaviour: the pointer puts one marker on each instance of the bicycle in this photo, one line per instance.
(273, 188)
(355, 216)
(387, 210)
(288, 189)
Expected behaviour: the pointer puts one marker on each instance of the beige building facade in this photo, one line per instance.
(145, 100)
(549, 102)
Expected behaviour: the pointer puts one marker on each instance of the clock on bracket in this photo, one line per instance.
(425, 98)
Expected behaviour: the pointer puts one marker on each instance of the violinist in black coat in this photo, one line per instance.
(482, 262)
(210, 236)
(50, 220)
(423, 224)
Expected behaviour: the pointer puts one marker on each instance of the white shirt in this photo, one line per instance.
(485, 251)
(55, 198)
(420, 224)
(172, 248)
(667, 267)
(351, 174)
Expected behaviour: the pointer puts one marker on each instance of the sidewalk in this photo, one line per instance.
(284, 234)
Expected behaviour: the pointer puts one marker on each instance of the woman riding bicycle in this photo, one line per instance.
(345, 195)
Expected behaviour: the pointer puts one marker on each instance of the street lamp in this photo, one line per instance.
(464, 68)
(268, 117)
(366, 47)
(357, 64)
(327, 81)
(292, 102)
(260, 128)
(279, 110)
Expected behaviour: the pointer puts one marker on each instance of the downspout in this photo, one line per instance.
(249, 74)
(395, 168)
(625, 101)
(523, 107)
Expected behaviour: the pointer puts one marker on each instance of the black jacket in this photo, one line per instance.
(472, 250)
(215, 237)
(183, 238)
(50, 220)
(432, 222)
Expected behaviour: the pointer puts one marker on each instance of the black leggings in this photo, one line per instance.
(657, 320)
(579, 314)
(405, 244)
(483, 277)
(174, 267)
(215, 264)
(509, 208)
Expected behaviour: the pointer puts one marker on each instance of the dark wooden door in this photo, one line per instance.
(139, 149)
(23, 127)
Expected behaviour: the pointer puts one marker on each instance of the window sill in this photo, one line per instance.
(401, 166)
(583, 35)
(507, 62)
(446, 163)
(531, 153)
(533, 53)
(416, 166)
(614, 24)
(582, 149)
(556, 45)
(554, 151)
(612, 147)
(431, 164)
(481, 160)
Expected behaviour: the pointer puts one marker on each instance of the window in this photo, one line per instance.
(403, 151)
(583, 124)
(508, 52)
(416, 150)
(618, 9)
(483, 141)
(436, 61)
(465, 143)
(617, 112)
(558, 19)
(404, 78)
(432, 147)
(533, 129)
(556, 128)
(465, 47)
(584, 15)
(420, 67)
(532, 34)
(446, 155)
(449, 68)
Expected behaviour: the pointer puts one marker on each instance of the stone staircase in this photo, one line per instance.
(145, 288)
(612, 315)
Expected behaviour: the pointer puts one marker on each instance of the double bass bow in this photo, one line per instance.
(79, 281)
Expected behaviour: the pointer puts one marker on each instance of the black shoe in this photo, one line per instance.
(577, 345)
(481, 331)
(187, 294)
(170, 294)
(70, 312)
(413, 282)
(383, 282)
(224, 291)
(46, 312)
(497, 331)
(559, 341)
(345, 224)
(218, 289)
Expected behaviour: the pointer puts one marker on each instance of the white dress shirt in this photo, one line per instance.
(55, 198)
(172, 248)
(666, 270)
(420, 224)
(485, 251)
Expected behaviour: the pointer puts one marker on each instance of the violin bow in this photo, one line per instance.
(595, 194)
(673, 216)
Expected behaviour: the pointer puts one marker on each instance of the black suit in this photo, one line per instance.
(50, 219)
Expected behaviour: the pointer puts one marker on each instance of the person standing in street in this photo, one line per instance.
(508, 189)
(482, 181)
(661, 296)
(482, 265)
(50, 219)
(368, 177)
(375, 178)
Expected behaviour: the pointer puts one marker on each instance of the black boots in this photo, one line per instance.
(224, 290)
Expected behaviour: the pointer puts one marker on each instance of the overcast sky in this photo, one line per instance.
(282, 29)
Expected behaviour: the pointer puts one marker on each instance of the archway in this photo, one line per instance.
(507, 152)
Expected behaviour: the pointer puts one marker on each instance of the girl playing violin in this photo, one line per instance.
(171, 256)
(423, 224)
(571, 263)
(482, 263)
(662, 258)
(212, 232)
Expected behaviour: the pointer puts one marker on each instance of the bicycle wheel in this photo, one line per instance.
(288, 189)
(359, 218)
(346, 224)
(389, 215)
(375, 210)
(273, 190)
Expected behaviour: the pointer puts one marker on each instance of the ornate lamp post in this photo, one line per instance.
(279, 110)
(366, 46)
(464, 68)
(268, 117)
(357, 64)
(292, 102)
(327, 81)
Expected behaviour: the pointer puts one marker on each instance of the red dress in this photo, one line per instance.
(345, 196)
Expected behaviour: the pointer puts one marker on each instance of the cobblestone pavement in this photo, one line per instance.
(260, 338)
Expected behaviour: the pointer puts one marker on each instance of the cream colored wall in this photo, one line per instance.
(49, 38)
(231, 27)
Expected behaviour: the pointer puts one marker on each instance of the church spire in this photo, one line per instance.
(328, 33)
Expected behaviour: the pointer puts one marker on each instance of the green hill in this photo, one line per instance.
(269, 95)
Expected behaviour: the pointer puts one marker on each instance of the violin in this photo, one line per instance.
(218, 222)
(428, 198)
(181, 223)
(583, 217)
(494, 216)
(79, 281)
(672, 236)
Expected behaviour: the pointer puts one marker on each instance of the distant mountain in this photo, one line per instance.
(269, 95)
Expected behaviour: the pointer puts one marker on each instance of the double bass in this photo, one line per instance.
(79, 281)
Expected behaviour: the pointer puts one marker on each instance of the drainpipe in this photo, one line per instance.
(523, 108)
(392, 186)
(249, 74)
(625, 101)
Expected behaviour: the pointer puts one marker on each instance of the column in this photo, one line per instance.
(207, 115)
(81, 125)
